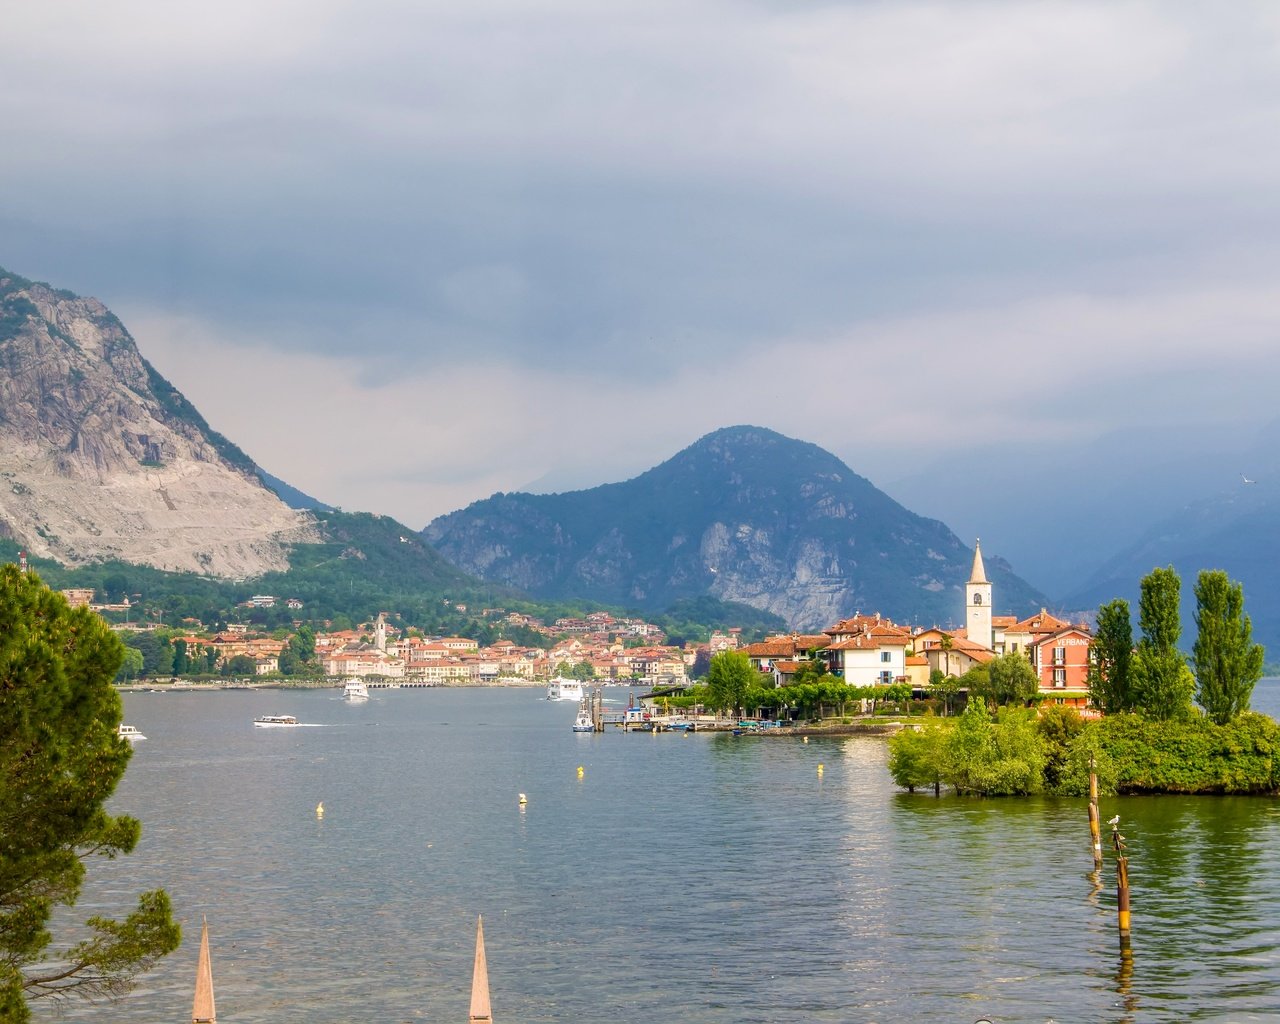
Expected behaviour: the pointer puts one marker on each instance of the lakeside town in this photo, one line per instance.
(861, 650)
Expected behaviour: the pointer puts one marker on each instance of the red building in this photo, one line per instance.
(1061, 661)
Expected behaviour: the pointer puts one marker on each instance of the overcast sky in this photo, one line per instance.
(407, 254)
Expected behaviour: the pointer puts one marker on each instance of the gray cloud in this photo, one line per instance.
(658, 202)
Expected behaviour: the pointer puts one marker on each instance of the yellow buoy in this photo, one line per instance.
(820, 769)
(523, 799)
(806, 739)
(580, 771)
(320, 809)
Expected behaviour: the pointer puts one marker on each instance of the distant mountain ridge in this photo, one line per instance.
(1235, 530)
(744, 514)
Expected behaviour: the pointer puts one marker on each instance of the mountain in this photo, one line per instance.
(101, 458)
(1234, 530)
(745, 515)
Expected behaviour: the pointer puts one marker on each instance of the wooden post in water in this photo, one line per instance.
(1095, 827)
(1122, 884)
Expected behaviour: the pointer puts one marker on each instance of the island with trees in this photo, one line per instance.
(1165, 722)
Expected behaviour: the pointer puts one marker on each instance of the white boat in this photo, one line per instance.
(355, 690)
(584, 721)
(276, 722)
(564, 689)
(130, 733)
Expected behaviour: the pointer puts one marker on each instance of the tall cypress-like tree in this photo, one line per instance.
(729, 678)
(1111, 671)
(60, 760)
(1227, 661)
(1162, 682)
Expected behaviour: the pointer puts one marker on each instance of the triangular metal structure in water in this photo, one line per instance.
(202, 1011)
(480, 1011)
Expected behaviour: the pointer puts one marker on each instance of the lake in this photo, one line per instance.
(705, 877)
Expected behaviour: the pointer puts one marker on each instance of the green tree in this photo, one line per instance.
(1011, 679)
(303, 644)
(944, 688)
(130, 665)
(180, 662)
(240, 665)
(157, 653)
(728, 679)
(1227, 661)
(1162, 682)
(915, 757)
(968, 748)
(812, 670)
(60, 760)
(1111, 686)
(1059, 727)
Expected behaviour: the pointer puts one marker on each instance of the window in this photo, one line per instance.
(886, 678)
(886, 656)
(1059, 655)
(1059, 677)
(977, 599)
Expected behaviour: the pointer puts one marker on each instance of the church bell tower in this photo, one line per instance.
(977, 602)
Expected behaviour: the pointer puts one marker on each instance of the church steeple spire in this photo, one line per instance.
(979, 572)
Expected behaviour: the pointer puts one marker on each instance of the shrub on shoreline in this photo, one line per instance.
(1014, 754)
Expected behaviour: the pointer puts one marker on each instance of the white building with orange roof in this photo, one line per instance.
(877, 657)
(868, 650)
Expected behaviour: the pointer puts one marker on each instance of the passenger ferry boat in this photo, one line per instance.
(130, 733)
(355, 690)
(275, 722)
(564, 689)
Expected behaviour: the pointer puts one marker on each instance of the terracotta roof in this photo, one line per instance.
(1041, 623)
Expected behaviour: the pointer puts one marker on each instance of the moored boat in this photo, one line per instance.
(275, 722)
(584, 722)
(130, 733)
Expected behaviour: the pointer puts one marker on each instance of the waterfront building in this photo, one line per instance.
(1061, 659)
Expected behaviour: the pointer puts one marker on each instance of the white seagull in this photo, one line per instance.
(1114, 821)
(1247, 480)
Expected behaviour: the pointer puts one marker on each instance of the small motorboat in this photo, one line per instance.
(584, 722)
(130, 733)
(275, 722)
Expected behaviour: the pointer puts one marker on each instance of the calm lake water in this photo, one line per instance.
(700, 878)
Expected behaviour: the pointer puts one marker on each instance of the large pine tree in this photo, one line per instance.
(60, 759)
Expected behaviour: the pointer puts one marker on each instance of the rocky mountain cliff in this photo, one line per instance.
(744, 514)
(102, 458)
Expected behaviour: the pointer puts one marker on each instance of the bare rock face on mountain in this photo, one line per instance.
(743, 515)
(101, 458)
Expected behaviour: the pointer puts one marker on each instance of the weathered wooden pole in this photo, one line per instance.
(1122, 884)
(1095, 826)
